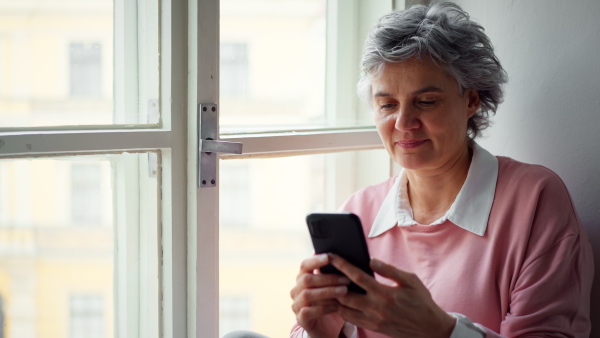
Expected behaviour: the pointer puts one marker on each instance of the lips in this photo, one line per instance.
(409, 144)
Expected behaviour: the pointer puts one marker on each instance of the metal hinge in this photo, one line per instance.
(209, 145)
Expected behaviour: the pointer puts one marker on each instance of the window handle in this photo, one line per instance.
(214, 146)
(209, 145)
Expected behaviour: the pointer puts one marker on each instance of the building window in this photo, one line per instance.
(235, 187)
(86, 316)
(86, 193)
(2, 322)
(85, 69)
(233, 69)
(234, 314)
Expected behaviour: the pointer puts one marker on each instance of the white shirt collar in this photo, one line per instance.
(470, 210)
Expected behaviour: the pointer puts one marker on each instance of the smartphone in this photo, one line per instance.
(341, 234)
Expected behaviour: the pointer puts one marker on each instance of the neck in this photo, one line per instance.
(431, 193)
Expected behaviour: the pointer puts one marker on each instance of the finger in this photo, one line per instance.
(355, 274)
(297, 307)
(403, 278)
(308, 313)
(354, 301)
(310, 297)
(308, 280)
(356, 317)
(311, 281)
(314, 262)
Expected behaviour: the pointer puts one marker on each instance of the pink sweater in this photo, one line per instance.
(529, 275)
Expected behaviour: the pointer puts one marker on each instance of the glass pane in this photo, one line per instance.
(65, 63)
(66, 228)
(272, 64)
(263, 235)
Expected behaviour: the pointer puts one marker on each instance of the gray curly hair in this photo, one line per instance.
(444, 33)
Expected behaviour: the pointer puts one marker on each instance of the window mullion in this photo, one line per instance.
(340, 101)
(72, 142)
(125, 61)
(174, 68)
(203, 240)
(302, 143)
(127, 239)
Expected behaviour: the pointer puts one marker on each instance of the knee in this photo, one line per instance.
(244, 334)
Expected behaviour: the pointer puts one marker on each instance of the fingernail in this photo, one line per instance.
(323, 257)
(376, 264)
(340, 290)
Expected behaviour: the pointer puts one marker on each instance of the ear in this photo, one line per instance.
(473, 102)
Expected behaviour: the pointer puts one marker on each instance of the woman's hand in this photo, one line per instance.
(314, 298)
(403, 310)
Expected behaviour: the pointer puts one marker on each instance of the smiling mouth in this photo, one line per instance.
(408, 144)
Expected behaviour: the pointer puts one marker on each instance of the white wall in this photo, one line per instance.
(551, 113)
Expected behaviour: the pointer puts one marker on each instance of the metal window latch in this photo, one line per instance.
(209, 145)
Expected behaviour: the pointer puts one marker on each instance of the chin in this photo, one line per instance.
(412, 162)
(410, 165)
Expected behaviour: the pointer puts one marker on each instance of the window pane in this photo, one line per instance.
(263, 235)
(272, 64)
(65, 63)
(86, 193)
(85, 69)
(69, 229)
(86, 316)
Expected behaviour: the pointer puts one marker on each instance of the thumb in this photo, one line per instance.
(401, 277)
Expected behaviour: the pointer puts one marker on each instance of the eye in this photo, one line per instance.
(387, 106)
(427, 103)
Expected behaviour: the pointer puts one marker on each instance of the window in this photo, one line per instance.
(117, 258)
(236, 207)
(308, 145)
(234, 312)
(86, 316)
(262, 259)
(85, 69)
(233, 68)
(276, 49)
(154, 261)
(86, 193)
(70, 155)
(2, 324)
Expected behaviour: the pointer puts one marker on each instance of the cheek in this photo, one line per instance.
(448, 124)
(385, 126)
(385, 121)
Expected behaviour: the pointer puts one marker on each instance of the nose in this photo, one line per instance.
(407, 119)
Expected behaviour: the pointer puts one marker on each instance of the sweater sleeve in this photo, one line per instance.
(348, 330)
(550, 296)
(297, 331)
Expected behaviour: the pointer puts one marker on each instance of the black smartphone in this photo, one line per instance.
(341, 234)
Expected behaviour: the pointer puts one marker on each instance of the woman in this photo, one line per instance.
(464, 244)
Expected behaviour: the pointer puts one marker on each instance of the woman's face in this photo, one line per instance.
(421, 114)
